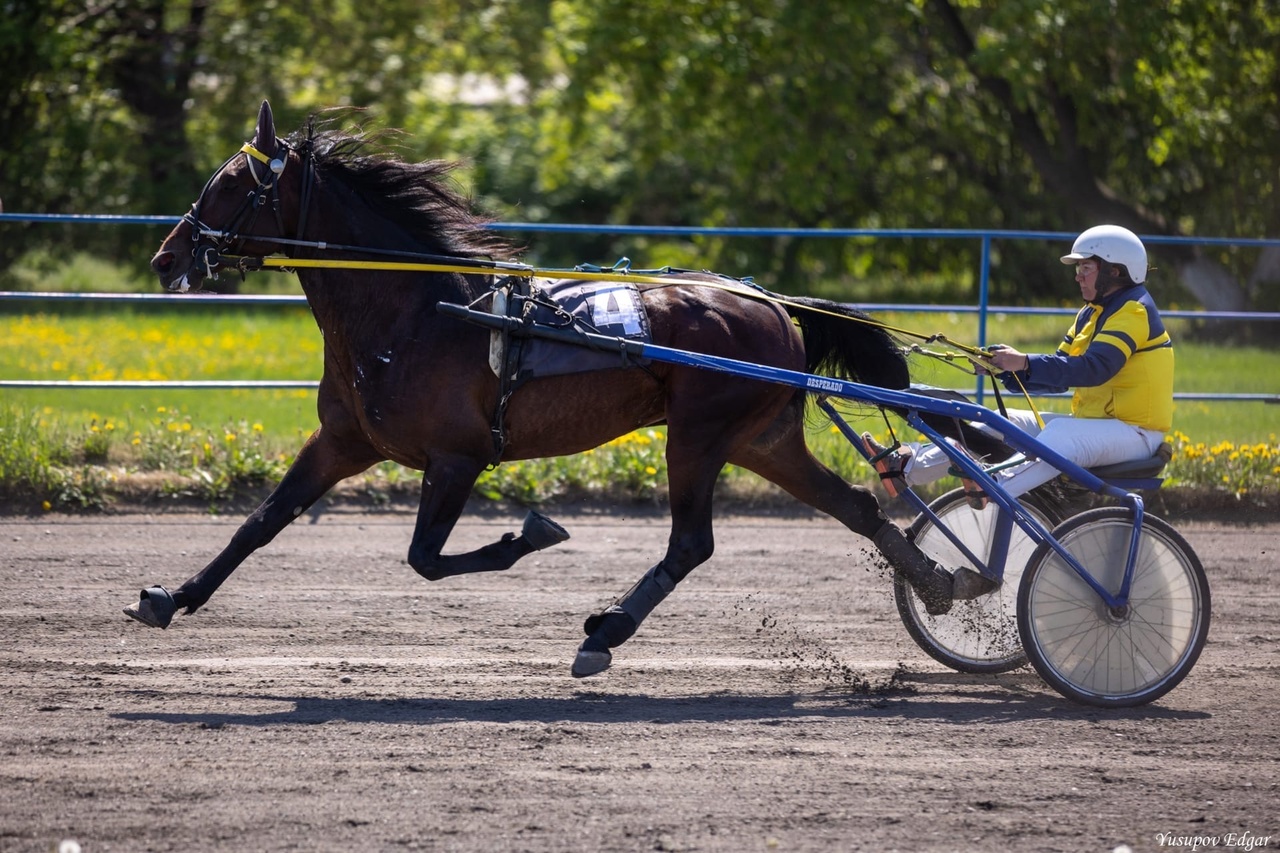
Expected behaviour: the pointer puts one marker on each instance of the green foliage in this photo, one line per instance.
(55, 467)
(1225, 466)
(78, 448)
(50, 461)
(1045, 114)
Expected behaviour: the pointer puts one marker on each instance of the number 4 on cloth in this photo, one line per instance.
(616, 306)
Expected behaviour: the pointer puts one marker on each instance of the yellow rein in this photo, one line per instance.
(603, 275)
(977, 355)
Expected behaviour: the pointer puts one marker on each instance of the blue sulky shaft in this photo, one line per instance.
(908, 404)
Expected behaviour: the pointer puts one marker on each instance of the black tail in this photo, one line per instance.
(856, 347)
(849, 345)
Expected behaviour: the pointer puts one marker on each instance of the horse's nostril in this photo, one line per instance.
(162, 262)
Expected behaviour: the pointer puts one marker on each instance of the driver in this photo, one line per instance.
(1116, 356)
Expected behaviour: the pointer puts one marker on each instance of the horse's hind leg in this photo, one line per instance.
(446, 485)
(781, 456)
(692, 478)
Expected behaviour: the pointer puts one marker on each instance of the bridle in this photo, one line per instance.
(210, 244)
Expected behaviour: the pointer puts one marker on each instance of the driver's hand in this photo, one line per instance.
(1007, 358)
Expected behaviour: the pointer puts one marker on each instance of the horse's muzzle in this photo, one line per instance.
(163, 265)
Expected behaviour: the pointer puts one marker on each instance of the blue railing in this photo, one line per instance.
(983, 309)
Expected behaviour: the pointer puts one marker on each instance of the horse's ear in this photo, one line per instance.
(264, 138)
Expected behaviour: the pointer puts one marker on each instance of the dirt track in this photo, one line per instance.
(329, 699)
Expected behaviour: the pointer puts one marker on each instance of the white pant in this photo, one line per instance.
(1088, 442)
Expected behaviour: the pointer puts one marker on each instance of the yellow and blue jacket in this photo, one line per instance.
(1117, 356)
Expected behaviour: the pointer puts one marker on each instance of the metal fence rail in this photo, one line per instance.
(983, 309)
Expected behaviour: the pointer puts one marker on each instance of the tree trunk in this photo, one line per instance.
(153, 68)
(1212, 284)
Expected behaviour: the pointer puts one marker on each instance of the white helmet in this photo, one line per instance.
(1113, 244)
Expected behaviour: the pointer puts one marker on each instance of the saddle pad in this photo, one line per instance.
(606, 307)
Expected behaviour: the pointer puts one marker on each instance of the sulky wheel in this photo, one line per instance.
(1118, 657)
(979, 636)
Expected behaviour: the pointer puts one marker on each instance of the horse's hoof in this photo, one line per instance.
(966, 585)
(155, 607)
(937, 590)
(590, 663)
(541, 532)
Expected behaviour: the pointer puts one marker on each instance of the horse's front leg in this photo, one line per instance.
(446, 485)
(320, 465)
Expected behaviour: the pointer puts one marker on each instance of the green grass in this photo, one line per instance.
(178, 343)
(182, 343)
(66, 444)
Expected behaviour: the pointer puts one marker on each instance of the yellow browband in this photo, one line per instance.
(255, 154)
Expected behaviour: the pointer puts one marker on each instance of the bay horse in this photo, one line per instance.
(403, 382)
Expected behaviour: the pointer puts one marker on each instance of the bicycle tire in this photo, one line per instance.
(1097, 656)
(979, 636)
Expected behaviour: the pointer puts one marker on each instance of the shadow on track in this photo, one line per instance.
(973, 705)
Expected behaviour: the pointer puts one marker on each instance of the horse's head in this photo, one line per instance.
(226, 218)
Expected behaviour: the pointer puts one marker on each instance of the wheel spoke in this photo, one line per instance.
(979, 635)
(1094, 654)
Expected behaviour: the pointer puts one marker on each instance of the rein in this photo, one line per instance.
(212, 256)
(467, 266)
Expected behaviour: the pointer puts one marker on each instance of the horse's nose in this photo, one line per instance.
(162, 262)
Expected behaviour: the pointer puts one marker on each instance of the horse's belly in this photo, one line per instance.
(569, 414)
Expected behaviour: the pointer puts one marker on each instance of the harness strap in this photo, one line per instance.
(517, 303)
(995, 390)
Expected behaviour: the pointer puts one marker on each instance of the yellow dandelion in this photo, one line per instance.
(649, 469)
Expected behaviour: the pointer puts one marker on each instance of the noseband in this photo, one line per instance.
(209, 243)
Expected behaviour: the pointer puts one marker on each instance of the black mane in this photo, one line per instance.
(419, 197)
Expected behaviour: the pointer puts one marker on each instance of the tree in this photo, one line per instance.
(1026, 114)
(1043, 114)
(1158, 117)
(93, 114)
